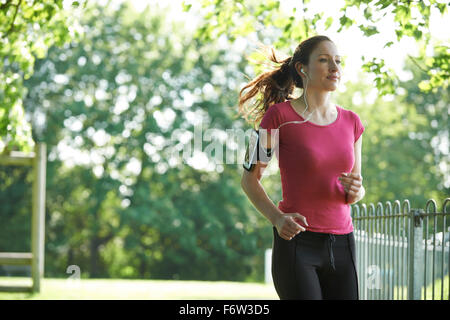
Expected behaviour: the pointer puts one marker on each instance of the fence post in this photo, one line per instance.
(416, 255)
(38, 216)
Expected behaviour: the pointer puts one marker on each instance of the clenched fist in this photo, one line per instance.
(288, 225)
(352, 183)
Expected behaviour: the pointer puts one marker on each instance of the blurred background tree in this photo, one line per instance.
(121, 205)
(27, 30)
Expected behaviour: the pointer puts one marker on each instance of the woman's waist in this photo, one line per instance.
(322, 237)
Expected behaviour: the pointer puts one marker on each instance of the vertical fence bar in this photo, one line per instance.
(433, 277)
(442, 256)
(405, 242)
(382, 255)
(403, 260)
(372, 251)
(390, 247)
(386, 256)
(365, 249)
(425, 270)
(378, 217)
(356, 217)
(385, 259)
(396, 246)
(444, 211)
(369, 251)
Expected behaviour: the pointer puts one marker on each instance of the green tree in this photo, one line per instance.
(133, 210)
(27, 30)
(15, 211)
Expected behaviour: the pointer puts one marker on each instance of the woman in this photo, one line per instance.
(319, 153)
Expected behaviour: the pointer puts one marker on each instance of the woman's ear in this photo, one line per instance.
(298, 66)
(301, 70)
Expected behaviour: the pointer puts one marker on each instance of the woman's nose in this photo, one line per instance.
(333, 67)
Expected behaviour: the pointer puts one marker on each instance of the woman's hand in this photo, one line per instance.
(352, 183)
(287, 225)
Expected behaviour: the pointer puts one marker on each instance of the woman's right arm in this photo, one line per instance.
(284, 222)
(251, 185)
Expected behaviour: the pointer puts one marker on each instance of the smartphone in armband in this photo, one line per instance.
(255, 151)
(251, 154)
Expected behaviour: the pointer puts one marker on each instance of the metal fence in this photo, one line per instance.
(402, 252)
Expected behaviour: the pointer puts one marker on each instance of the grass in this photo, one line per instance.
(398, 294)
(437, 290)
(429, 290)
(113, 289)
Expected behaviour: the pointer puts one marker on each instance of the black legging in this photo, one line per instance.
(315, 266)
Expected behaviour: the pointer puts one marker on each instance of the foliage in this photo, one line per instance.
(237, 18)
(15, 212)
(27, 30)
(131, 209)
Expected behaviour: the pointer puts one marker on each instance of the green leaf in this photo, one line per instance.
(417, 34)
(442, 7)
(369, 30)
(328, 23)
(186, 7)
(367, 13)
(383, 4)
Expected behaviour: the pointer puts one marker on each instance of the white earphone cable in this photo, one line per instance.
(306, 103)
(304, 97)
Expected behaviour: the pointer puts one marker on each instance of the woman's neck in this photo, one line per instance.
(322, 107)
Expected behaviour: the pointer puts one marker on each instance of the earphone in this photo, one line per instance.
(302, 71)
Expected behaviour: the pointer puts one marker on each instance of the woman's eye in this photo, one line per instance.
(337, 61)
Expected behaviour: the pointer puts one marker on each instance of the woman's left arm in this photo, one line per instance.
(352, 181)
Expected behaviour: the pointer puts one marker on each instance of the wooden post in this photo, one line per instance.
(38, 215)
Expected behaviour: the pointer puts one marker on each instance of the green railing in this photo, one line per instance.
(402, 253)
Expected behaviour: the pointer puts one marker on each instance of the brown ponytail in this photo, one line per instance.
(277, 85)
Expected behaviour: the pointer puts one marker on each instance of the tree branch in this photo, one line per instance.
(14, 19)
(417, 64)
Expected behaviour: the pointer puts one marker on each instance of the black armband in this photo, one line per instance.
(255, 151)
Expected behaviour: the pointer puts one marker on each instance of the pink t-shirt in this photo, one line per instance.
(311, 157)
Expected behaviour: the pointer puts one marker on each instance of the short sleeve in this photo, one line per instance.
(359, 128)
(269, 126)
(271, 119)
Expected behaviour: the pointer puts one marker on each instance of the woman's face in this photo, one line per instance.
(324, 68)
